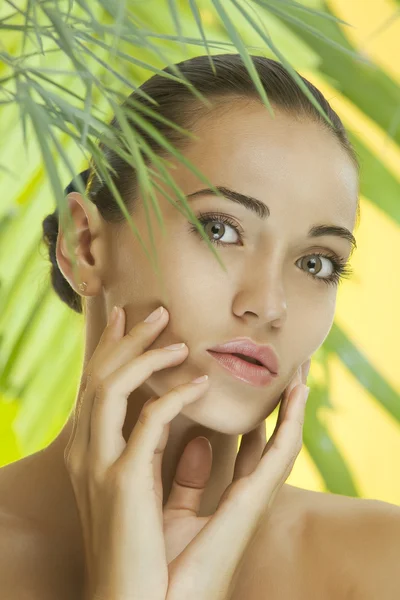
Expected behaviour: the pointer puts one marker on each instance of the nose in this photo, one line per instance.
(263, 296)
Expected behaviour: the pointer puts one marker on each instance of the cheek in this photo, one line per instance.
(308, 324)
(320, 326)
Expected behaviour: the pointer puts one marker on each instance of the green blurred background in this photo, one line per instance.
(352, 428)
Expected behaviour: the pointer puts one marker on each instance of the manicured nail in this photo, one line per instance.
(200, 379)
(175, 346)
(156, 314)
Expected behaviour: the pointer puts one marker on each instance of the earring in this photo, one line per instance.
(82, 286)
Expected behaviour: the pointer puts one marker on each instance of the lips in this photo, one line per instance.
(244, 370)
(246, 349)
(253, 361)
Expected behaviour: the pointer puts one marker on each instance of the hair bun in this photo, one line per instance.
(174, 110)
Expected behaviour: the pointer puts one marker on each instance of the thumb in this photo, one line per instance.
(191, 477)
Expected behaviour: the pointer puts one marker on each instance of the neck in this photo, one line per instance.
(51, 497)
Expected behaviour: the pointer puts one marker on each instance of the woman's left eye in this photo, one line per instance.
(339, 266)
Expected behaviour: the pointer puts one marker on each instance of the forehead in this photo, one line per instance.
(278, 159)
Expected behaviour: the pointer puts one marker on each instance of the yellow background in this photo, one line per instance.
(367, 304)
(366, 435)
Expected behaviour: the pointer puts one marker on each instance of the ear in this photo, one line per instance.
(78, 226)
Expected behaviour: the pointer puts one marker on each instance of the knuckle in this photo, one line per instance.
(96, 379)
(136, 341)
(121, 480)
(96, 478)
(94, 473)
(73, 464)
(147, 413)
(101, 388)
(132, 334)
(154, 355)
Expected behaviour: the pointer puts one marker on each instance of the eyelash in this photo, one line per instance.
(341, 270)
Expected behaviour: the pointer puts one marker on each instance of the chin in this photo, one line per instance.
(225, 415)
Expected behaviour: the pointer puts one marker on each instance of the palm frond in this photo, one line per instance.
(63, 105)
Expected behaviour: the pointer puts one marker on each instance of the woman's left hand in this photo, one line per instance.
(204, 553)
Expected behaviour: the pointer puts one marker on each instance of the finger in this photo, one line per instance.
(106, 360)
(191, 478)
(296, 380)
(157, 466)
(254, 444)
(146, 438)
(220, 545)
(80, 437)
(278, 424)
(134, 343)
(110, 406)
(276, 464)
(250, 452)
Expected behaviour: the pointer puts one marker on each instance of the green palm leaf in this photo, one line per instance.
(77, 104)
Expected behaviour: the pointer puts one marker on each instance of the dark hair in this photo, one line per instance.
(177, 103)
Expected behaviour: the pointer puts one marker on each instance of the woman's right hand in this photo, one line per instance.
(117, 484)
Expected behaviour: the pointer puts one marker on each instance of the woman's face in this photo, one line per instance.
(269, 293)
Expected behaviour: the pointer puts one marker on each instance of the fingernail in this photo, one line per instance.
(113, 316)
(156, 314)
(175, 346)
(200, 379)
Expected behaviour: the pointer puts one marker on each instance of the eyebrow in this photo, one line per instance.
(262, 211)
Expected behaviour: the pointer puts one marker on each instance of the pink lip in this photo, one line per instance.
(265, 354)
(253, 374)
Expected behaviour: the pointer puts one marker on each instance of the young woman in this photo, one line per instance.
(143, 495)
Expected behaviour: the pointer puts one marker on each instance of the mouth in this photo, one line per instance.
(248, 359)
(250, 353)
(244, 368)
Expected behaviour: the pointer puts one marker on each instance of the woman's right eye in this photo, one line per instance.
(219, 218)
(340, 271)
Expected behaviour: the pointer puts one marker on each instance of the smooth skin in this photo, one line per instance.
(300, 171)
(135, 549)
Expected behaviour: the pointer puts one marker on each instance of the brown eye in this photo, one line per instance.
(315, 264)
(218, 230)
(218, 226)
(215, 224)
(311, 264)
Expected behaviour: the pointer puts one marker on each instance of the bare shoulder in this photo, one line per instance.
(17, 544)
(29, 568)
(274, 565)
(355, 544)
(321, 545)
